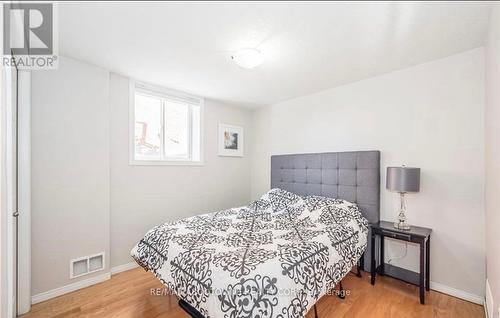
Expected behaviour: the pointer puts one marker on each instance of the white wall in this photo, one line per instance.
(86, 198)
(145, 196)
(85, 195)
(429, 116)
(493, 159)
(70, 170)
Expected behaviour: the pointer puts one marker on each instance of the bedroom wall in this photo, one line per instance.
(430, 116)
(70, 170)
(145, 196)
(86, 198)
(492, 181)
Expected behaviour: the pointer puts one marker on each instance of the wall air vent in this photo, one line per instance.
(86, 265)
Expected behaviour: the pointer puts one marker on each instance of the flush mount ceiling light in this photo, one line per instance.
(248, 58)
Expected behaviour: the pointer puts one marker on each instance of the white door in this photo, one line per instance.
(9, 192)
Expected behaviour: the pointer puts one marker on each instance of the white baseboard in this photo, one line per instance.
(81, 284)
(488, 304)
(123, 267)
(457, 293)
(69, 288)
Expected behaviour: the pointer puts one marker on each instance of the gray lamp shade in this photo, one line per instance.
(403, 179)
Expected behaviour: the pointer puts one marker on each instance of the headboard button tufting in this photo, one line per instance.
(332, 175)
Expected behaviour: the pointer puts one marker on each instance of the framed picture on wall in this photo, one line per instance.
(231, 140)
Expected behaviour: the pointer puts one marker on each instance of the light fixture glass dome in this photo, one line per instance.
(248, 58)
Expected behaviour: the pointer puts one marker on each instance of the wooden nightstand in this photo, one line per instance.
(416, 234)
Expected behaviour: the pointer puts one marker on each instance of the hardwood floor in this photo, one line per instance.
(128, 295)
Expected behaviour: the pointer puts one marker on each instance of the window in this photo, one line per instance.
(165, 126)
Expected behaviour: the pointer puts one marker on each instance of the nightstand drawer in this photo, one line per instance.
(398, 236)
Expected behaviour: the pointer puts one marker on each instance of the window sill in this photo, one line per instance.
(134, 162)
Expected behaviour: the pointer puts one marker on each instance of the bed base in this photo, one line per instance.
(360, 265)
(196, 314)
(191, 311)
(340, 295)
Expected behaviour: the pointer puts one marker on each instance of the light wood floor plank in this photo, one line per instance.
(128, 295)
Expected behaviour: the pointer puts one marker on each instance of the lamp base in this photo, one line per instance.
(403, 226)
(401, 223)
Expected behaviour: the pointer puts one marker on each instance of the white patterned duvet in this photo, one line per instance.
(273, 258)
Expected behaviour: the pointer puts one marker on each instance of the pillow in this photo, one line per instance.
(331, 211)
(280, 199)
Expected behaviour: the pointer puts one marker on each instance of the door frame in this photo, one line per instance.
(8, 201)
(24, 191)
(15, 188)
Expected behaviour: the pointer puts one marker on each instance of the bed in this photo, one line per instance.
(278, 255)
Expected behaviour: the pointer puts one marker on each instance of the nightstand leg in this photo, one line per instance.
(373, 263)
(427, 263)
(422, 273)
(382, 257)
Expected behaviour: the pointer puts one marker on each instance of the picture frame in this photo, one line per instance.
(231, 140)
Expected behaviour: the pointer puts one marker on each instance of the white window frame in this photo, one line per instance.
(164, 93)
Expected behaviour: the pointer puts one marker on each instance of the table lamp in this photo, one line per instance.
(403, 180)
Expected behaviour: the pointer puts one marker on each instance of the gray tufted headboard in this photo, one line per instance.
(352, 176)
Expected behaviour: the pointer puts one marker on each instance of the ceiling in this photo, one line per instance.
(307, 47)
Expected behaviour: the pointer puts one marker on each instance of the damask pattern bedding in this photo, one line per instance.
(273, 258)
